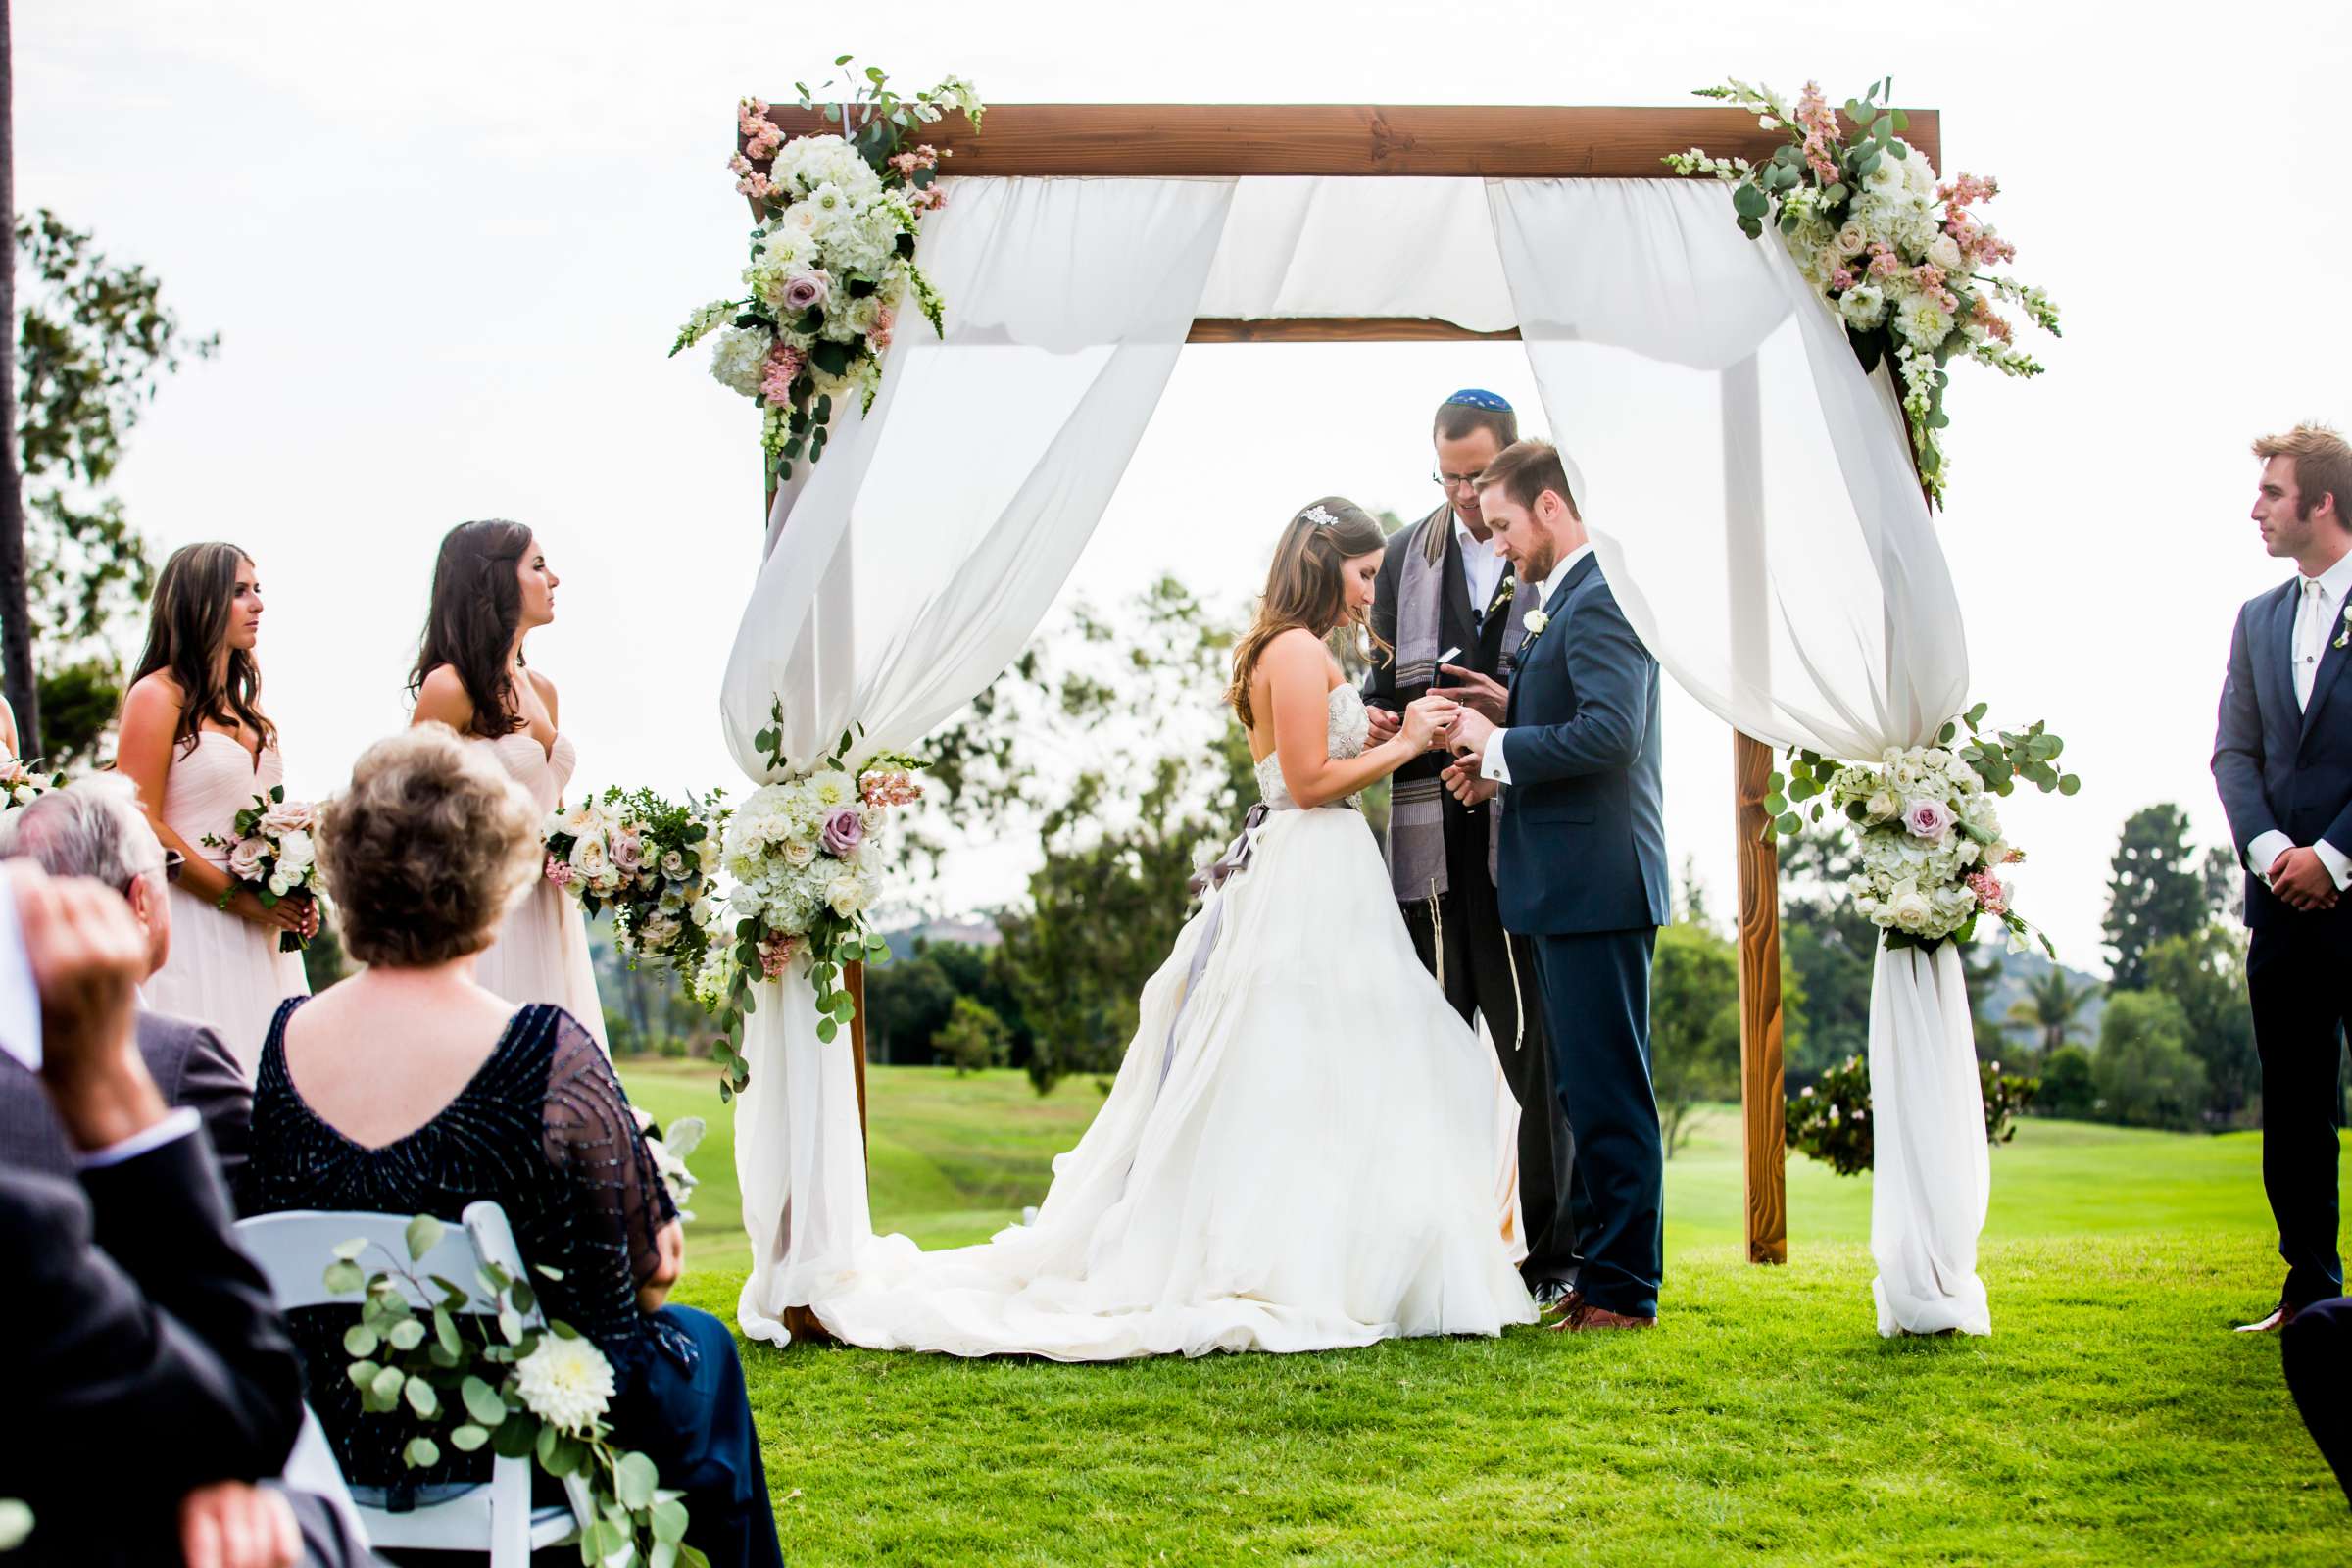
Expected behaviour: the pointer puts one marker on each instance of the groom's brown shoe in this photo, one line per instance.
(2270, 1324)
(1585, 1316)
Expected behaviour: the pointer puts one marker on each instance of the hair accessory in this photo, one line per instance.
(1475, 398)
(1320, 517)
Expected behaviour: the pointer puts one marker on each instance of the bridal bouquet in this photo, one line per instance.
(832, 258)
(651, 862)
(21, 786)
(1932, 849)
(274, 854)
(800, 855)
(475, 1375)
(1904, 261)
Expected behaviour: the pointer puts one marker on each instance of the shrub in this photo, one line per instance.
(1831, 1120)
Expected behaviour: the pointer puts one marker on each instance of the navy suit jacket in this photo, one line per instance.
(1584, 837)
(2277, 768)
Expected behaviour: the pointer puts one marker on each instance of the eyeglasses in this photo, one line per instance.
(1456, 481)
(172, 861)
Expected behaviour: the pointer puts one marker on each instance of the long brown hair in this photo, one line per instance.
(187, 624)
(476, 604)
(1304, 587)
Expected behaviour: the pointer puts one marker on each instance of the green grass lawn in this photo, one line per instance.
(2111, 1418)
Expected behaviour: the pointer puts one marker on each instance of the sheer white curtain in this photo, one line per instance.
(1751, 499)
(917, 561)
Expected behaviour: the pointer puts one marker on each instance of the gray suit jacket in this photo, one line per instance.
(188, 1064)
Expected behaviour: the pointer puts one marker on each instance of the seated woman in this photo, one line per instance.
(407, 1090)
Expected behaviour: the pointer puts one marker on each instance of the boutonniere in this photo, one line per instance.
(2344, 630)
(1502, 595)
(1534, 620)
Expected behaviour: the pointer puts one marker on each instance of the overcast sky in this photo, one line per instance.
(447, 246)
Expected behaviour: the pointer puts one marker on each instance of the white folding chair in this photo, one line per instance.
(293, 1250)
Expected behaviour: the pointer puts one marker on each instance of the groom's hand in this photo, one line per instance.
(1469, 733)
(1385, 723)
(1463, 782)
(1480, 693)
(2300, 878)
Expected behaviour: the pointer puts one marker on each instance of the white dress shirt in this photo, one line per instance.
(1492, 765)
(1482, 566)
(2319, 620)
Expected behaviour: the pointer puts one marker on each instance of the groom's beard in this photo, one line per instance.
(1539, 563)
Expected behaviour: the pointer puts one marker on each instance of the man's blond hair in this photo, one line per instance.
(2322, 466)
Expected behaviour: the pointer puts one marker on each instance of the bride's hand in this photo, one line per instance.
(1428, 722)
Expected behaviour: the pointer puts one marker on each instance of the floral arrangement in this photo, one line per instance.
(1930, 847)
(669, 1150)
(514, 1389)
(650, 860)
(799, 854)
(272, 854)
(1829, 1119)
(832, 257)
(1904, 260)
(21, 786)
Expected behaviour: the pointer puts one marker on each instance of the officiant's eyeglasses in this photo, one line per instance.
(1456, 481)
(172, 861)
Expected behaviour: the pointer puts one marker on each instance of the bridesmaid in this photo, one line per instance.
(198, 746)
(492, 587)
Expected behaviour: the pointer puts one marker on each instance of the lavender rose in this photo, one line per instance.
(627, 849)
(844, 832)
(804, 291)
(1928, 820)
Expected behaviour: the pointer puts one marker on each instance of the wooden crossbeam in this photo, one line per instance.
(1341, 329)
(1482, 140)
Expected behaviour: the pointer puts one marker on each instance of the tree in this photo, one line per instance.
(907, 1002)
(93, 343)
(2158, 890)
(1693, 1025)
(2145, 1074)
(2050, 1009)
(1829, 950)
(2206, 975)
(2067, 1089)
(974, 1037)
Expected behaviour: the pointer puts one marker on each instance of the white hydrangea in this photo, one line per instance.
(739, 359)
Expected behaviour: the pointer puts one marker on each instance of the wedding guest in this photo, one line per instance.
(200, 749)
(1444, 602)
(412, 1089)
(93, 828)
(130, 1308)
(2282, 762)
(492, 588)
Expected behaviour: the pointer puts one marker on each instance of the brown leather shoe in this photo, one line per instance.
(1565, 1302)
(1585, 1316)
(2272, 1324)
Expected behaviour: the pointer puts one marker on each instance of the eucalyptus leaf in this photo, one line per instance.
(406, 1334)
(423, 1234)
(359, 1339)
(422, 1453)
(636, 1478)
(343, 1278)
(468, 1436)
(421, 1399)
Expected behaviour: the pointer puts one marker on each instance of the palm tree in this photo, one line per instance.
(2049, 1009)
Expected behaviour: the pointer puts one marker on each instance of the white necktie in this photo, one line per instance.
(2310, 639)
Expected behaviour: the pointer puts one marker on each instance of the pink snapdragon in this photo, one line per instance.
(776, 953)
(1820, 124)
(930, 199)
(751, 182)
(886, 321)
(1929, 276)
(1884, 262)
(1992, 893)
(1842, 279)
(761, 139)
(890, 789)
(559, 872)
(925, 156)
(784, 364)
(1967, 190)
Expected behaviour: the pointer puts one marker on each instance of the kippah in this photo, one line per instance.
(1476, 398)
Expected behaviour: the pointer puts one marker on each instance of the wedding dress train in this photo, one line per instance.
(1304, 1149)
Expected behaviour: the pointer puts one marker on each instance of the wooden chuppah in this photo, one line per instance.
(1483, 141)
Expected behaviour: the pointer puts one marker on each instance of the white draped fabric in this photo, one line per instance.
(1751, 495)
(893, 598)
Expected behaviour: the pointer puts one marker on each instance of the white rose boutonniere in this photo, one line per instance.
(1536, 620)
(2343, 631)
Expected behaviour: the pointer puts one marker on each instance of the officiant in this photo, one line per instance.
(1444, 605)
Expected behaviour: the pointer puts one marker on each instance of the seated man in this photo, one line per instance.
(153, 1384)
(94, 828)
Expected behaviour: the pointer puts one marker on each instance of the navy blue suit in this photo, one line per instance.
(2281, 768)
(1583, 870)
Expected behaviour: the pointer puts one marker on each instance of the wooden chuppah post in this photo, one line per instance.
(1480, 142)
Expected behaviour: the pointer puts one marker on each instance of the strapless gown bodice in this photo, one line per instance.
(1351, 726)
(542, 951)
(222, 970)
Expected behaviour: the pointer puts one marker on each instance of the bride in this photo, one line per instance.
(1306, 1147)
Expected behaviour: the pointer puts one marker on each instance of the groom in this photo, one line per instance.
(1583, 863)
(2283, 762)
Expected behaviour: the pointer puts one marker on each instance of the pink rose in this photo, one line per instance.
(805, 291)
(245, 859)
(628, 852)
(1928, 819)
(844, 831)
(287, 816)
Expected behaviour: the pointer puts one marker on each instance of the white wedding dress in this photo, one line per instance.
(1310, 1150)
(224, 971)
(542, 951)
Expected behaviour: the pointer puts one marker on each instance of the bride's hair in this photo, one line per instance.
(1304, 587)
(476, 604)
(187, 621)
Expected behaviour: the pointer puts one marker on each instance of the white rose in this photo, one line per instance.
(1852, 240)
(1882, 805)
(845, 896)
(1912, 910)
(706, 852)
(589, 859)
(295, 852)
(1944, 252)
(799, 852)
